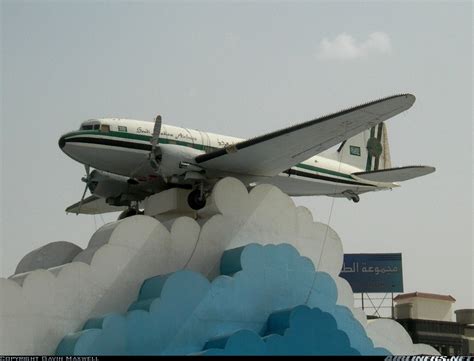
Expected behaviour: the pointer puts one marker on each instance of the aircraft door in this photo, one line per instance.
(193, 137)
(206, 142)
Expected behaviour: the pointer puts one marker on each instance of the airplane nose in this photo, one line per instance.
(62, 142)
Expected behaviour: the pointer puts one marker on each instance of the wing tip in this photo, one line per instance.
(386, 175)
(430, 169)
(411, 98)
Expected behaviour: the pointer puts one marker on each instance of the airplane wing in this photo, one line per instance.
(93, 205)
(272, 153)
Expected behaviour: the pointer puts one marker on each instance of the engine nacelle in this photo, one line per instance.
(107, 185)
(172, 156)
(119, 190)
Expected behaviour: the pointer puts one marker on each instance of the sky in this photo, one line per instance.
(244, 69)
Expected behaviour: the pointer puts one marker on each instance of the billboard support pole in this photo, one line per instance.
(393, 311)
(362, 300)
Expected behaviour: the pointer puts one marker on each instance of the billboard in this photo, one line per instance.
(373, 272)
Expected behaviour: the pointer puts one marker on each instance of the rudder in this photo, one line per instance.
(368, 150)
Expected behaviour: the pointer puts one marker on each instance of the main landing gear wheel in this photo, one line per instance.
(196, 199)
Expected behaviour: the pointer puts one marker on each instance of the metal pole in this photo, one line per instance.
(362, 300)
(393, 311)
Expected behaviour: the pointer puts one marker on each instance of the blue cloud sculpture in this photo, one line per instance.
(298, 331)
(180, 312)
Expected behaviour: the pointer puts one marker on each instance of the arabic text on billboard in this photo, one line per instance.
(373, 272)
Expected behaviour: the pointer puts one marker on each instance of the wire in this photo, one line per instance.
(327, 227)
(329, 217)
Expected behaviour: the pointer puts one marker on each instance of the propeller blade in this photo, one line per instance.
(82, 200)
(154, 146)
(156, 133)
(154, 143)
(86, 180)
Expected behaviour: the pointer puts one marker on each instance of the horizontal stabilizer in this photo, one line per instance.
(398, 174)
(93, 205)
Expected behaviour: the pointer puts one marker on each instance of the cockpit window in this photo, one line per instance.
(89, 126)
(105, 128)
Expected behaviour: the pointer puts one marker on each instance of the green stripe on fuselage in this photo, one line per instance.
(323, 170)
(111, 134)
(147, 138)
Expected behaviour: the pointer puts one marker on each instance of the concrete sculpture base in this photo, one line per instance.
(168, 205)
(39, 307)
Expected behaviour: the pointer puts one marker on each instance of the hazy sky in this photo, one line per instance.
(243, 69)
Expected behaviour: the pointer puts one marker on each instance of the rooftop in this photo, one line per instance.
(432, 296)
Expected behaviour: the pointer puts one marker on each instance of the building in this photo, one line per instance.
(424, 306)
(465, 317)
(427, 317)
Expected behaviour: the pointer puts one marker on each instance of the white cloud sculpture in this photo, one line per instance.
(345, 47)
(38, 308)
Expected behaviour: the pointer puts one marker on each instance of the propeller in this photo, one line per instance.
(85, 179)
(154, 155)
(155, 150)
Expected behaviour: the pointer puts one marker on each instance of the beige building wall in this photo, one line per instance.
(424, 309)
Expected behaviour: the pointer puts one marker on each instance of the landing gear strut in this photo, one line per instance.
(131, 211)
(196, 199)
(127, 213)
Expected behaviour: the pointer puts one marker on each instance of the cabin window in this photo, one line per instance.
(105, 128)
(96, 126)
(353, 150)
(122, 128)
(86, 127)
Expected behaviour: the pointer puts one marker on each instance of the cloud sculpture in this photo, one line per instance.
(346, 47)
(179, 313)
(298, 331)
(39, 307)
(51, 255)
(234, 217)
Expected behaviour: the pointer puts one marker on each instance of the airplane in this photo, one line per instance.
(134, 159)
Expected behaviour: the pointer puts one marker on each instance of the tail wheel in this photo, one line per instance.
(196, 200)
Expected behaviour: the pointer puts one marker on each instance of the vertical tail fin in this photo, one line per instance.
(368, 150)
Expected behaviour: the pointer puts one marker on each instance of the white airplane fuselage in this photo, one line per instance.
(122, 147)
